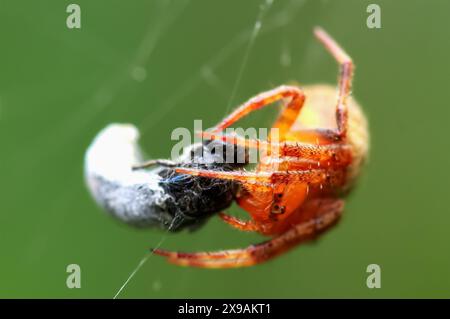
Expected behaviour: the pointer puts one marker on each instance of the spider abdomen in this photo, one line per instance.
(318, 112)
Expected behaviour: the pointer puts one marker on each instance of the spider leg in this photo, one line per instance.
(161, 162)
(287, 148)
(289, 113)
(237, 175)
(325, 213)
(345, 78)
(310, 176)
(244, 225)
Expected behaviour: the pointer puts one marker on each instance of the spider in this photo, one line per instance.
(297, 194)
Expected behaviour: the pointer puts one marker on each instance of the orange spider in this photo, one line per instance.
(297, 194)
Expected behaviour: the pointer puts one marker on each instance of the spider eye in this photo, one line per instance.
(277, 209)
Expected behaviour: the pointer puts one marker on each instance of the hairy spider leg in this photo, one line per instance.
(345, 78)
(244, 225)
(160, 162)
(324, 214)
(316, 152)
(289, 114)
(310, 176)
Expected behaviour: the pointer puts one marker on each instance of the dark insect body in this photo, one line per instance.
(158, 197)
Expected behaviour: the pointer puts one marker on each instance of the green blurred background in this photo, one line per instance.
(160, 65)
